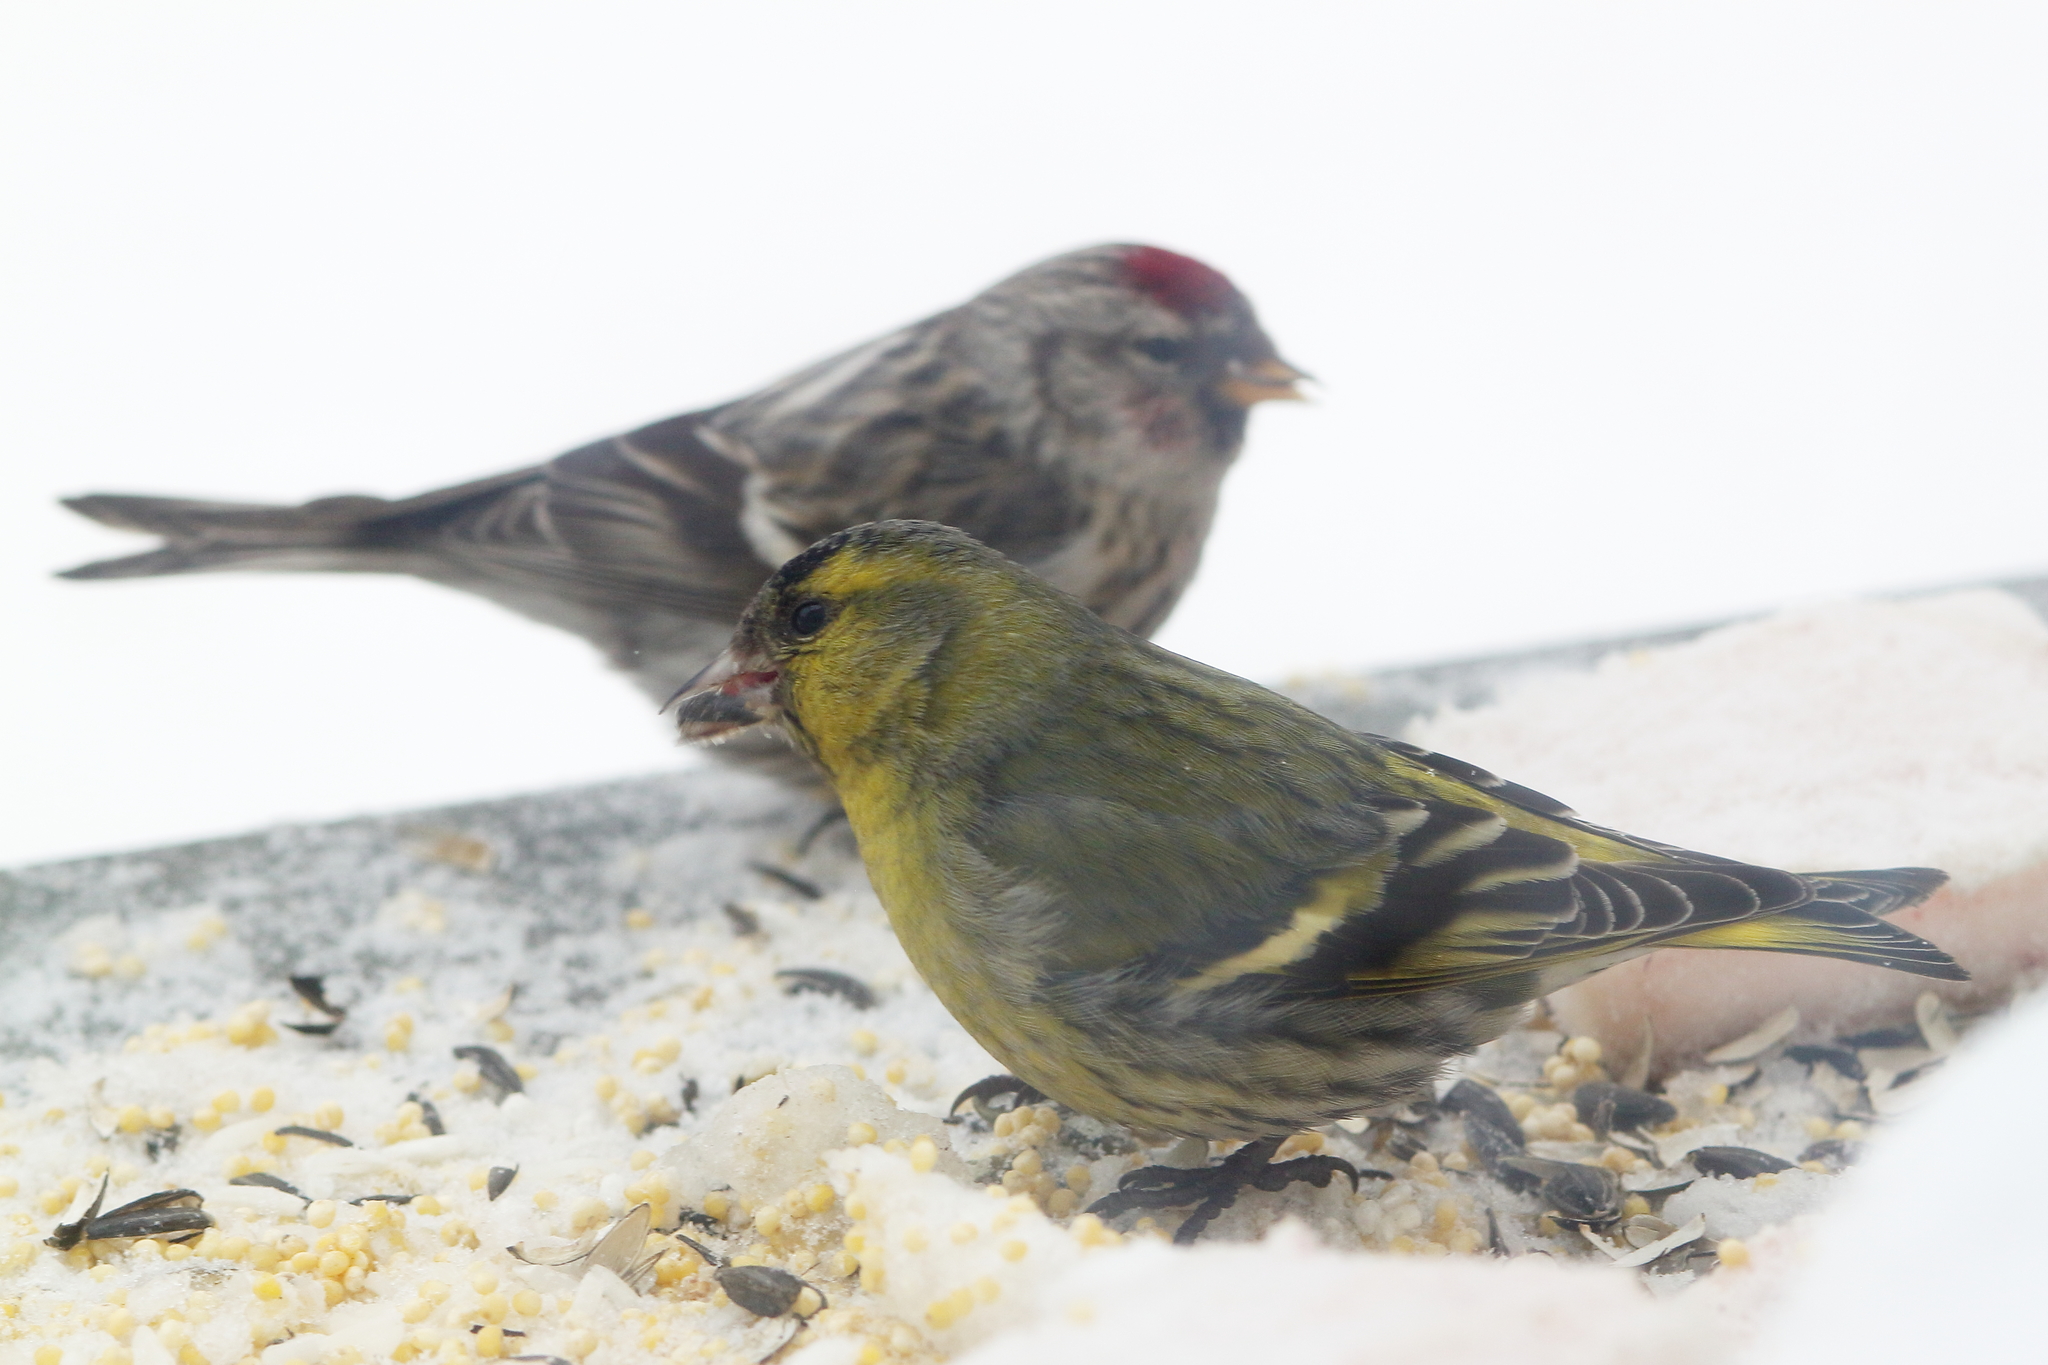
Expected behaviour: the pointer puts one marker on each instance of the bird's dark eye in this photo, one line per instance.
(807, 619)
(1165, 350)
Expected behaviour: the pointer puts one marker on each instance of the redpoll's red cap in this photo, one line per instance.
(1182, 283)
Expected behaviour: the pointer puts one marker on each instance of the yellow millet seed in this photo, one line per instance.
(860, 1134)
(261, 1098)
(1014, 1250)
(1733, 1253)
(526, 1303)
(924, 1154)
(949, 1310)
(267, 1286)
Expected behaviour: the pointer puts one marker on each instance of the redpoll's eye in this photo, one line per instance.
(807, 619)
(1165, 350)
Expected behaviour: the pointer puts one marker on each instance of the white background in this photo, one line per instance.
(1626, 314)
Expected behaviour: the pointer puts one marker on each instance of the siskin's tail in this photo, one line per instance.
(1842, 921)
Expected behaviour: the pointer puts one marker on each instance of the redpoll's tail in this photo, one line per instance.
(1842, 921)
(200, 535)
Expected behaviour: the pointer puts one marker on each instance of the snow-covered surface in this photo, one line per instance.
(1932, 1253)
(663, 1062)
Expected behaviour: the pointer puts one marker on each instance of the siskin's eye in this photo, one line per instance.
(807, 619)
(1165, 350)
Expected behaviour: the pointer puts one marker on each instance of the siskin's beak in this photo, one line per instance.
(1261, 381)
(733, 691)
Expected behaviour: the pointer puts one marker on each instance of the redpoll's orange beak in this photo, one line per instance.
(732, 692)
(1261, 381)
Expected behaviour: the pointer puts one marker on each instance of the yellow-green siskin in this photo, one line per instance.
(1169, 897)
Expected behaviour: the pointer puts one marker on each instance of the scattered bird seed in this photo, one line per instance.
(174, 1215)
(1473, 1100)
(1407, 1146)
(690, 1093)
(499, 1181)
(1898, 1035)
(1643, 1247)
(1490, 1126)
(493, 1067)
(837, 815)
(744, 922)
(269, 1182)
(429, 1115)
(796, 980)
(362, 1199)
(1837, 1154)
(313, 990)
(1932, 1016)
(1604, 1107)
(1758, 1040)
(619, 1249)
(1740, 1162)
(1574, 1192)
(803, 886)
(317, 1134)
(1840, 1058)
(763, 1290)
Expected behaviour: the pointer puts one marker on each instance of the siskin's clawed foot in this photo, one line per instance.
(1212, 1189)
